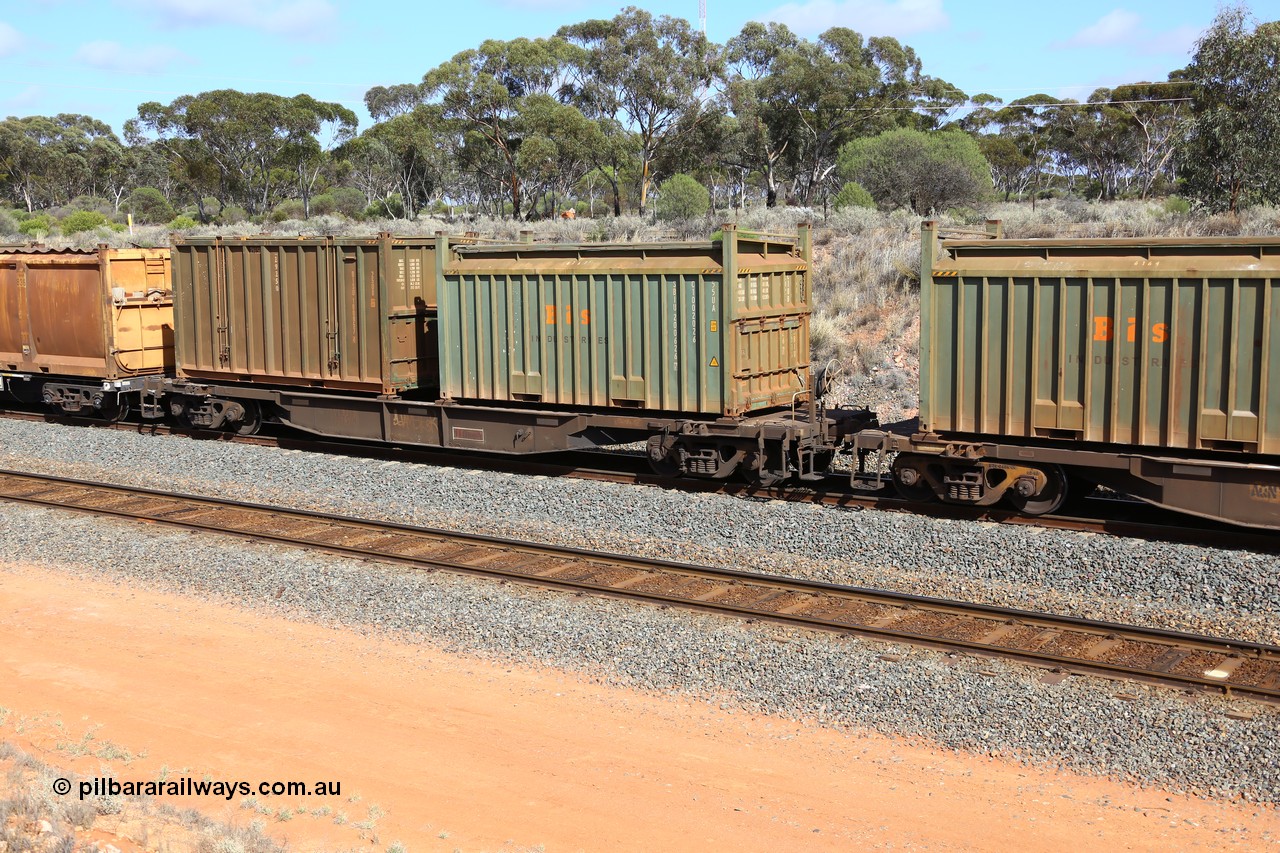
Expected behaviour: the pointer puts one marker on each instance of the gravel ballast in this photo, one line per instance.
(989, 707)
(1210, 591)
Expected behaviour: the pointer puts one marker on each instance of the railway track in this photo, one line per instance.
(1063, 645)
(1116, 517)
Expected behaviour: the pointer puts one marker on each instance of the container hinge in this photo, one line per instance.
(333, 348)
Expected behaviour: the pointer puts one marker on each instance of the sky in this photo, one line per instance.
(105, 57)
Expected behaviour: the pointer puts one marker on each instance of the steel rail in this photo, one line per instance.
(1065, 643)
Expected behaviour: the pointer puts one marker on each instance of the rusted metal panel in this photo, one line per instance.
(1167, 343)
(106, 314)
(335, 312)
(720, 327)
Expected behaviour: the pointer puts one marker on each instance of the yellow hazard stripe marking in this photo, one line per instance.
(946, 273)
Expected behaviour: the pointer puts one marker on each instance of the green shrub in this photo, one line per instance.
(1176, 206)
(83, 220)
(149, 206)
(231, 214)
(182, 223)
(38, 226)
(342, 201)
(918, 171)
(290, 208)
(90, 202)
(682, 197)
(853, 194)
(391, 207)
(8, 223)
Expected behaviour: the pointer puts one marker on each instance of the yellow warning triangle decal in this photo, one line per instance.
(715, 362)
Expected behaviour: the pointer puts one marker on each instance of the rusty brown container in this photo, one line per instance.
(1150, 343)
(333, 312)
(105, 314)
(711, 328)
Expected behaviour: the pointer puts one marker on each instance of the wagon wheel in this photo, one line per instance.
(1051, 497)
(754, 471)
(252, 420)
(909, 479)
(663, 460)
(117, 411)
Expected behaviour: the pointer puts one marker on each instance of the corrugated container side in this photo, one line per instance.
(643, 326)
(328, 312)
(60, 317)
(1151, 343)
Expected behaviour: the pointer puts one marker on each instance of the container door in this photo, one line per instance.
(222, 311)
(336, 279)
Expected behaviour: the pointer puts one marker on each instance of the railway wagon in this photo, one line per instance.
(1146, 365)
(699, 348)
(79, 329)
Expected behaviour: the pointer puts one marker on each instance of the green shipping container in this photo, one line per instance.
(331, 312)
(1153, 343)
(714, 328)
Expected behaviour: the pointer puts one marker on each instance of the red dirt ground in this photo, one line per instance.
(471, 755)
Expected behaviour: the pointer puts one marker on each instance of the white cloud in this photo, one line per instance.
(22, 101)
(1181, 40)
(10, 40)
(1122, 28)
(1119, 26)
(898, 18)
(301, 19)
(112, 56)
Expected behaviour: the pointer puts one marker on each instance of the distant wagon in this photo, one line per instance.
(1148, 365)
(78, 329)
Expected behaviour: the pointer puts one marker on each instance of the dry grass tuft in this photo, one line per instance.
(33, 819)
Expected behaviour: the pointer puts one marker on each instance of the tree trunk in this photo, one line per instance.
(644, 184)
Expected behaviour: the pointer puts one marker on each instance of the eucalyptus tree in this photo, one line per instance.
(312, 130)
(1010, 172)
(410, 153)
(1229, 158)
(652, 76)
(1028, 123)
(48, 160)
(767, 122)
(231, 145)
(1159, 119)
(487, 90)
(1091, 140)
(560, 146)
(819, 95)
